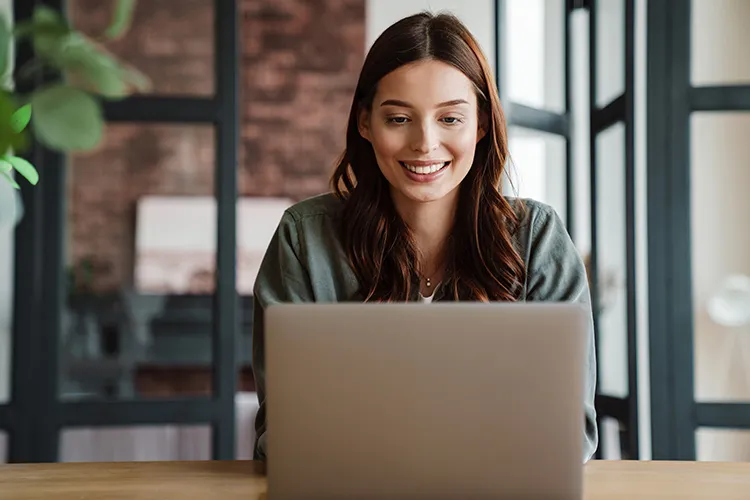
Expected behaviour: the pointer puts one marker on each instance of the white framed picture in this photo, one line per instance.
(175, 242)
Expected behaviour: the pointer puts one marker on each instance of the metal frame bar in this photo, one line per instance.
(34, 360)
(611, 406)
(7, 417)
(680, 303)
(538, 119)
(720, 98)
(35, 415)
(630, 223)
(723, 415)
(226, 307)
(660, 235)
(612, 113)
(675, 413)
(138, 412)
(621, 109)
(570, 219)
(157, 109)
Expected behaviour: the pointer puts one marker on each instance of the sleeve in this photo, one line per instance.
(556, 272)
(282, 277)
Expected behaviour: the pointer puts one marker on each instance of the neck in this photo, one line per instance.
(430, 224)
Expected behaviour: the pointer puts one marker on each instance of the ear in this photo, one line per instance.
(363, 124)
(483, 126)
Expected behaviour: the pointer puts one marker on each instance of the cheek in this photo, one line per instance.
(462, 145)
(387, 142)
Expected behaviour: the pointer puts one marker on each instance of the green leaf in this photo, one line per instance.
(5, 166)
(49, 32)
(122, 19)
(10, 179)
(91, 69)
(47, 15)
(66, 118)
(141, 82)
(24, 168)
(20, 118)
(5, 42)
(7, 107)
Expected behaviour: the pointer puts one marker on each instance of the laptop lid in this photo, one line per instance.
(448, 400)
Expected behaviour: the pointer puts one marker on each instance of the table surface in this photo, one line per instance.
(246, 480)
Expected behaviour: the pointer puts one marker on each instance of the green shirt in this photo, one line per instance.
(305, 262)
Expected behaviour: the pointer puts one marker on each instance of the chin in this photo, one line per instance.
(426, 194)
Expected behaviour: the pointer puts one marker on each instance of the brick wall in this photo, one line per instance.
(300, 60)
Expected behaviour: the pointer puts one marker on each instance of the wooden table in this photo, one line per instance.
(246, 481)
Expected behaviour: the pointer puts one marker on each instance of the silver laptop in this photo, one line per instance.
(425, 401)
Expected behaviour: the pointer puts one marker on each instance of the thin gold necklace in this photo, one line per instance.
(427, 281)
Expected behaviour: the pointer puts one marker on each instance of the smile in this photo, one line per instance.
(425, 168)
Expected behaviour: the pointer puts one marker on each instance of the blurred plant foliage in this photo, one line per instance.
(65, 114)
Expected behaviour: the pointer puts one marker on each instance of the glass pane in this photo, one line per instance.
(610, 50)
(140, 255)
(136, 443)
(10, 211)
(3, 447)
(537, 167)
(720, 256)
(611, 439)
(246, 410)
(300, 65)
(170, 41)
(722, 445)
(580, 129)
(611, 261)
(536, 53)
(719, 39)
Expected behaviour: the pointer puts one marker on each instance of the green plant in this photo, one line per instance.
(65, 114)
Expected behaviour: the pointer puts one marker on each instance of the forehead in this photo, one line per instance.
(425, 84)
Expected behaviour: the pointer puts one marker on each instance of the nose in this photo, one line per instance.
(425, 139)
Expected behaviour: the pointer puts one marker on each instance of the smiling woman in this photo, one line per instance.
(416, 212)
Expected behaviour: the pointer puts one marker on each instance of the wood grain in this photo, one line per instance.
(134, 480)
(246, 480)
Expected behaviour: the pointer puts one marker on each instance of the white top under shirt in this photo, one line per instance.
(426, 300)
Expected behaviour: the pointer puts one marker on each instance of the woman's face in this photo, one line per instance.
(423, 127)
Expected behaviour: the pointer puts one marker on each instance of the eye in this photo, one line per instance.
(398, 120)
(451, 120)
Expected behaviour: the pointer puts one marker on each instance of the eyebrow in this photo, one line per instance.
(404, 104)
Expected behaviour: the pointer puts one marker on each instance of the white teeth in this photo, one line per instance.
(427, 169)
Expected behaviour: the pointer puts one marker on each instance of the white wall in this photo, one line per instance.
(641, 231)
(478, 15)
(720, 180)
(6, 273)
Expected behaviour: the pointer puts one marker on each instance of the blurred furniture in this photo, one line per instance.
(130, 345)
(246, 480)
(152, 443)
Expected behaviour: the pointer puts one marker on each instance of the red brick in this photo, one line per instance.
(300, 61)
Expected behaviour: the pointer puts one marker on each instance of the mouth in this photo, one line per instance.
(424, 168)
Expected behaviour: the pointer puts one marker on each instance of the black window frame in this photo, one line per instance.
(672, 97)
(619, 110)
(35, 414)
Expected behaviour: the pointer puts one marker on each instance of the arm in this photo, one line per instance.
(556, 273)
(282, 278)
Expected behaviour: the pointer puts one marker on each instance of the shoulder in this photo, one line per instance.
(533, 214)
(326, 206)
(541, 236)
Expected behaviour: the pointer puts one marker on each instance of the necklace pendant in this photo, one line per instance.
(428, 283)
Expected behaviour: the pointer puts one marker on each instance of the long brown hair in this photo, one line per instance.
(482, 263)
